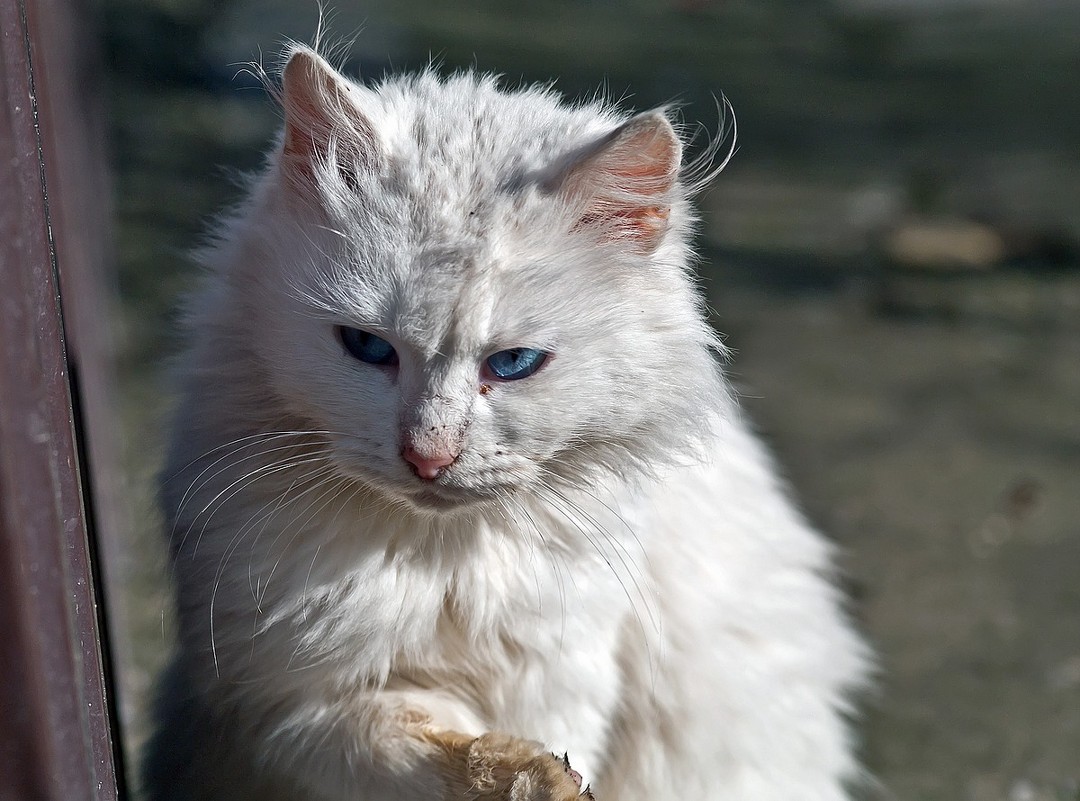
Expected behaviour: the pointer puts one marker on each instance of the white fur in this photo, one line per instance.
(611, 566)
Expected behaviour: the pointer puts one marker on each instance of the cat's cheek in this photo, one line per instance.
(530, 428)
(355, 403)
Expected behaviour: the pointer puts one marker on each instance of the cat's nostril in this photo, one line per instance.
(428, 465)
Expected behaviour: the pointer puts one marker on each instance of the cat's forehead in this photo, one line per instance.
(471, 300)
(450, 274)
(469, 131)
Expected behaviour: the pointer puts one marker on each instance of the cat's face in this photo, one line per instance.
(456, 311)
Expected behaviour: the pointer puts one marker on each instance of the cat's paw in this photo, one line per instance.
(573, 774)
(503, 767)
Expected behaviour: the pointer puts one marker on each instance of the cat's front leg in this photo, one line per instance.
(497, 766)
(412, 746)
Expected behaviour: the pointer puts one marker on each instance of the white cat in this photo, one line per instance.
(456, 481)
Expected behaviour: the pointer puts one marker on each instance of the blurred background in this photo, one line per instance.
(893, 254)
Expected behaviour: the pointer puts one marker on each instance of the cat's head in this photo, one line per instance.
(474, 292)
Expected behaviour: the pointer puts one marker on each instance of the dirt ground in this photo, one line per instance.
(943, 455)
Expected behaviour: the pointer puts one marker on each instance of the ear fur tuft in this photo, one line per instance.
(625, 179)
(322, 122)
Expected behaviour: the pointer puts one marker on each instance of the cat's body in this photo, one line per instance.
(454, 470)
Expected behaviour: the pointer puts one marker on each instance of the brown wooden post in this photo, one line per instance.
(55, 736)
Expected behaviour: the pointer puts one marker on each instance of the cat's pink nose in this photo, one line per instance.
(428, 465)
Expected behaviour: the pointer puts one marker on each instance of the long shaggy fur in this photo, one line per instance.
(608, 568)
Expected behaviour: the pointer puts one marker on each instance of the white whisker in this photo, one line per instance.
(575, 515)
(235, 542)
(237, 486)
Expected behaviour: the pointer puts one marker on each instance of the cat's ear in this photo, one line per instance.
(625, 180)
(322, 121)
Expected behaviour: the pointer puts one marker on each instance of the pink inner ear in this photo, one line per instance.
(628, 180)
(646, 224)
(319, 115)
(301, 142)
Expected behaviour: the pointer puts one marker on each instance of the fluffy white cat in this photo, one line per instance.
(456, 480)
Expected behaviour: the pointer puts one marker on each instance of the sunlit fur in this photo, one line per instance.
(610, 567)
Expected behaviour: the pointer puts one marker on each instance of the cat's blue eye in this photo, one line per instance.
(367, 347)
(510, 365)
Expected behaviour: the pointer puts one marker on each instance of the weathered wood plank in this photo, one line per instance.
(55, 735)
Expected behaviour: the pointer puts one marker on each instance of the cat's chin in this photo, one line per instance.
(438, 502)
(437, 499)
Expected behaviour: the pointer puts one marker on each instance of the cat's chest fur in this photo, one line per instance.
(524, 637)
(473, 580)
